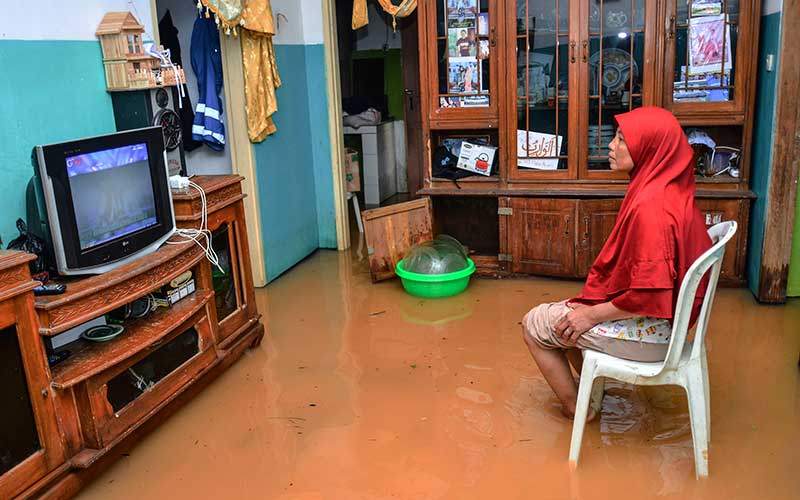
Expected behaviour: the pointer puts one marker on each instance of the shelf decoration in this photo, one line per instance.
(128, 63)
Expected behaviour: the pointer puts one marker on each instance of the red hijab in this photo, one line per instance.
(659, 231)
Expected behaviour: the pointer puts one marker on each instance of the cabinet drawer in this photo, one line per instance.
(125, 394)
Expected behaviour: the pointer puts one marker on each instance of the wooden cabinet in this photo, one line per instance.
(234, 295)
(716, 211)
(542, 236)
(62, 425)
(29, 438)
(596, 219)
(558, 72)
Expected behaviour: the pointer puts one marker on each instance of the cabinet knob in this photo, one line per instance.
(572, 51)
(566, 225)
(585, 50)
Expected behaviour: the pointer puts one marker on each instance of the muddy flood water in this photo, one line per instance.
(360, 391)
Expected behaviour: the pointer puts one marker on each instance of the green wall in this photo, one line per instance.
(51, 91)
(392, 76)
(793, 288)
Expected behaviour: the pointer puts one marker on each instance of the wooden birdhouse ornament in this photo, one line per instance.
(127, 66)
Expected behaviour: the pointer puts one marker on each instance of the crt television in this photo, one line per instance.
(100, 202)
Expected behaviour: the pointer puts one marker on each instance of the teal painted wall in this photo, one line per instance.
(321, 144)
(294, 168)
(763, 132)
(284, 163)
(51, 91)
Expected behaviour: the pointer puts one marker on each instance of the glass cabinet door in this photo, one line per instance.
(614, 57)
(19, 438)
(228, 297)
(543, 66)
(704, 38)
(465, 62)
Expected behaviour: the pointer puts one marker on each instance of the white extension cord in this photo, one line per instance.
(201, 236)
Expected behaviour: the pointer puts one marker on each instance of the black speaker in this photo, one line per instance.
(148, 107)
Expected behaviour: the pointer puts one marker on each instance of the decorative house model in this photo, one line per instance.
(127, 66)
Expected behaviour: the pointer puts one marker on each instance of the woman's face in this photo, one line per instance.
(619, 157)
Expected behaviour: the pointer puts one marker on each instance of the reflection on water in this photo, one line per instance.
(362, 392)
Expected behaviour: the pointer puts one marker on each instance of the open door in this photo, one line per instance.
(411, 104)
(391, 231)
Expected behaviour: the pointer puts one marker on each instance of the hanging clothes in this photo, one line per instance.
(169, 39)
(261, 76)
(207, 65)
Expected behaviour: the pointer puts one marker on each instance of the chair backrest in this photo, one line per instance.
(712, 259)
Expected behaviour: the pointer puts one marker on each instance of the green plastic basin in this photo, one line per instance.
(432, 286)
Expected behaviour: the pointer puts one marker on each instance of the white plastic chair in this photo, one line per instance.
(685, 364)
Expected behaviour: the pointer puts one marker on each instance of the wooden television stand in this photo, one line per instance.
(93, 406)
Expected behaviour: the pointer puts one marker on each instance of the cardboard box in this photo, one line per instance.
(476, 158)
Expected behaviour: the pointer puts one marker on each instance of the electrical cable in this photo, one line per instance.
(201, 236)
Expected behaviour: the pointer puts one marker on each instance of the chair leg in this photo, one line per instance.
(598, 387)
(707, 392)
(357, 210)
(695, 393)
(581, 411)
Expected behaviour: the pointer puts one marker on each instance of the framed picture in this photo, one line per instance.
(463, 75)
(483, 49)
(537, 150)
(707, 35)
(462, 9)
(483, 24)
(462, 42)
(465, 101)
(706, 8)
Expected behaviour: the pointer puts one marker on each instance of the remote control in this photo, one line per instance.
(57, 357)
(49, 289)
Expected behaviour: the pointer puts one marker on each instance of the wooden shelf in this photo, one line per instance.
(566, 191)
(96, 295)
(90, 358)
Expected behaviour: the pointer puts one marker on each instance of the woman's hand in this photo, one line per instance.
(574, 324)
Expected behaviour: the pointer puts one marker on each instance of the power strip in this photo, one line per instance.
(178, 182)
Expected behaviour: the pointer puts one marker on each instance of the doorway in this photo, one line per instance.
(379, 84)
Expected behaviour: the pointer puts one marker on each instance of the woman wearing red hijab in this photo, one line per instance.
(628, 302)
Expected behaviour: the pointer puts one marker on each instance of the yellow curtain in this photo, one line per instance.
(226, 12)
(361, 19)
(260, 69)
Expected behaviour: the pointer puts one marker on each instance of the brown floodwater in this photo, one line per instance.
(360, 391)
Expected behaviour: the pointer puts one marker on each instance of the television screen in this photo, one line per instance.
(101, 202)
(112, 193)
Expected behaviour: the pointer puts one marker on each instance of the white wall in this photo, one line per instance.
(203, 160)
(299, 23)
(771, 6)
(64, 19)
(378, 32)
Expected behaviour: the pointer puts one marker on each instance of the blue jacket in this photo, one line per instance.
(207, 66)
